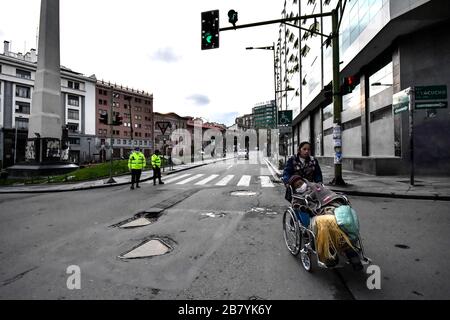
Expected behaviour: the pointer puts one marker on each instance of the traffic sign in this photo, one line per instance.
(285, 117)
(400, 101)
(432, 105)
(431, 92)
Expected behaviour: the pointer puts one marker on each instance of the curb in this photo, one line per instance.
(108, 185)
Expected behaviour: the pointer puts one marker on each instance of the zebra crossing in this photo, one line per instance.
(217, 180)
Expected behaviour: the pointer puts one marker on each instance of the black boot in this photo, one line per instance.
(132, 187)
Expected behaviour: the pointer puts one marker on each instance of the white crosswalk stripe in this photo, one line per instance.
(178, 178)
(245, 181)
(191, 178)
(206, 180)
(265, 182)
(225, 180)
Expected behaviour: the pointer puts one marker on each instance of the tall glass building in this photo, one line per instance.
(389, 45)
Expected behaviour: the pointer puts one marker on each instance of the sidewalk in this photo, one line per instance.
(361, 184)
(94, 184)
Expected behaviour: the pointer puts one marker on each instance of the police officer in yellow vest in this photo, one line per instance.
(136, 163)
(156, 165)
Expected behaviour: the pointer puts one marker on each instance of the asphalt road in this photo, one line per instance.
(224, 246)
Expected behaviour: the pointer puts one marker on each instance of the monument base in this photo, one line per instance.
(26, 170)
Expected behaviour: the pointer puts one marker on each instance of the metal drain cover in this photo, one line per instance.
(244, 193)
(141, 222)
(154, 247)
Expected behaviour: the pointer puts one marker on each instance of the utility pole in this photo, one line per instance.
(337, 103)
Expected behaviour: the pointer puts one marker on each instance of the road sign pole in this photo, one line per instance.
(412, 101)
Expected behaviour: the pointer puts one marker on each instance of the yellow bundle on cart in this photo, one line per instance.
(330, 239)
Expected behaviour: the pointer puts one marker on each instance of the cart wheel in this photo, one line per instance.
(305, 254)
(291, 231)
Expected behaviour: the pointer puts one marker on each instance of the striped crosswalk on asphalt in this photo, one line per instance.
(206, 180)
(191, 178)
(225, 180)
(245, 181)
(178, 178)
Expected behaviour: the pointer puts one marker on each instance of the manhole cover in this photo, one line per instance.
(244, 193)
(154, 247)
(141, 222)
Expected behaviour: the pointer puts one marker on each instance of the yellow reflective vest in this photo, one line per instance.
(136, 161)
(156, 161)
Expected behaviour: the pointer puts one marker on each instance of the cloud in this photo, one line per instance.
(227, 118)
(166, 55)
(199, 99)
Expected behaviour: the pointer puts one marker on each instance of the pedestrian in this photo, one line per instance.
(136, 163)
(156, 165)
(303, 165)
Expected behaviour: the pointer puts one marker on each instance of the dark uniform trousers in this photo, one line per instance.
(156, 174)
(135, 176)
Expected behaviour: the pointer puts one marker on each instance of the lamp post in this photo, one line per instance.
(111, 127)
(89, 142)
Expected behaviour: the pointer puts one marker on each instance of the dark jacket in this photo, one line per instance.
(309, 170)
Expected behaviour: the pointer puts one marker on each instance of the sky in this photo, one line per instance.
(154, 45)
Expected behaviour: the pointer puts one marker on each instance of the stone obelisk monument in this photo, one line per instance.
(44, 145)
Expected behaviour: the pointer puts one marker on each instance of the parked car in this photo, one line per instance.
(242, 154)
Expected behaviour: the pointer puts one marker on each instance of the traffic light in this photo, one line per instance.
(232, 17)
(328, 90)
(104, 118)
(348, 85)
(210, 29)
(118, 119)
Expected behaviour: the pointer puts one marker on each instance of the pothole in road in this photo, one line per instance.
(147, 249)
(140, 219)
(266, 211)
(243, 193)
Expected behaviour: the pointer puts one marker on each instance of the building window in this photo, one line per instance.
(22, 107)
(23, 74)
(74, 141)
(73, 101)
(73, 114)
(22, 123)
(73, 127)
(73, 85)
(116, 95)
(124, 141)
(23, 92)
(383, 79)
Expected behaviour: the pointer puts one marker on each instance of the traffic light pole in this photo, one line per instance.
(337, 96)
(337, 104)
(111, 127)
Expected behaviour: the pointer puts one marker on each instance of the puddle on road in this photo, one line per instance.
(140, 222)
(147, 249)
(402, 246)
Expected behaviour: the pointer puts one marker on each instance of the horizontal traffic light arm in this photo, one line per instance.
(262, 23)
(305, 29)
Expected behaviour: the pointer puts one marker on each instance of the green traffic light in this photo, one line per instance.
(208, 37)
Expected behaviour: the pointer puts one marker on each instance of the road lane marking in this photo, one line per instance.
(225, 180)
(265, 182)
(206, 180)
(178, 178)
(191, 178)
(245, 181)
